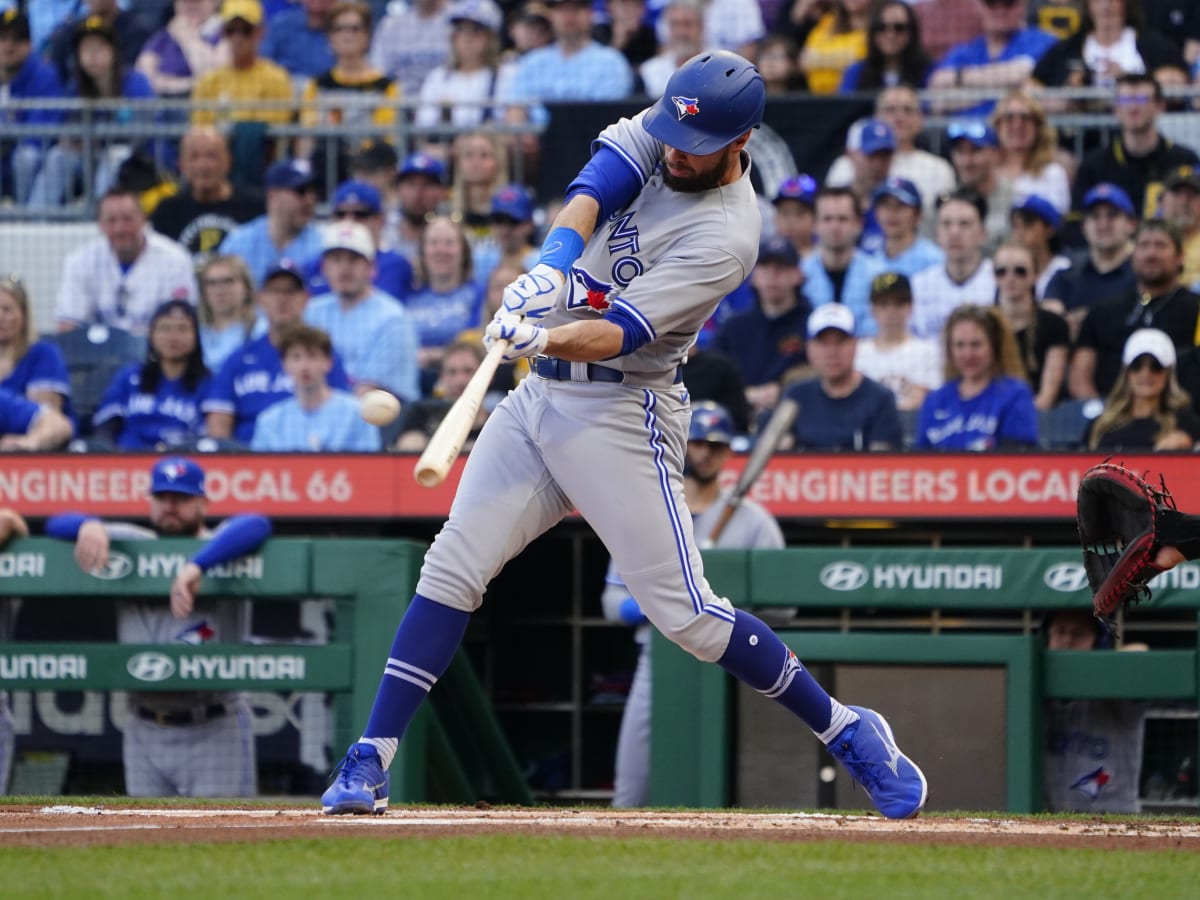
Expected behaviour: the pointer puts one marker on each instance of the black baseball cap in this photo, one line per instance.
(16, 23)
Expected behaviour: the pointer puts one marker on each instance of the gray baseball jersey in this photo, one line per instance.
(1093, 759)
(209, 758)
(750, 526)
(613, 451)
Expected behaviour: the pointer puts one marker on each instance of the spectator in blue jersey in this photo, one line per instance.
(99, 76)
(767, 340)
(227, 314)
(897, 207)
(358, 201)
(286, 229)
(840, 409)
(986, 402)
(895, 54)
(999, 60)
(252, 378)
(25, 425)
(31, 368)
(23, 76)
(374, 335)
(839, 272)
(155, 404)
(316, 418)
(449, 300)
(298, 39)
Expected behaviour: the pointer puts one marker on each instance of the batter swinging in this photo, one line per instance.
(659, 226)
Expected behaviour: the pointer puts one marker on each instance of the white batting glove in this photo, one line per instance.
(525, 338)
(532, 295)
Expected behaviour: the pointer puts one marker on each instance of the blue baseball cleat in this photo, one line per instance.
(868, 751)
(360, 785)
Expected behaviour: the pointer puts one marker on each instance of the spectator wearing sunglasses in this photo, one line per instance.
(233, 90)
(1158, 301)
(1140, 158)
(1146, 409)
(895, 54)
(1042, 337)
(1000, 59)
(1035, 224)
(358, 201)
(974, 154)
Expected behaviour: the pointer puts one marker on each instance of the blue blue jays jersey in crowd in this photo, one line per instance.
(253, 379)
(16, 413)
(393, 275)
(1002, 414)
(334, 426)
(170, 415)
(440, 317)
(42, 368)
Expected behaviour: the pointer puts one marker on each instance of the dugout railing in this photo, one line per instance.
(951, 611)
(454, 749)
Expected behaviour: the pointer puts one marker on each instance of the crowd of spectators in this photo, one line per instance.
(936, 287)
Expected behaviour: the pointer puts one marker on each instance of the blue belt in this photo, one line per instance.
(560, 370)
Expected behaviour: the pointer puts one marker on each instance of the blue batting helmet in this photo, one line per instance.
(710, 422)
(710, 101)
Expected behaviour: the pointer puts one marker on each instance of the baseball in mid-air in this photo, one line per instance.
(379, 407)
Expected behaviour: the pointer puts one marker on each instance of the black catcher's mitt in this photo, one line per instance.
(1123, 523)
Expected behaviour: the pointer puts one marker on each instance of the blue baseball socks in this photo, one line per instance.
(425, 643)
(758, 657)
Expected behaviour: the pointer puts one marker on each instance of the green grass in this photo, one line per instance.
(526, 867)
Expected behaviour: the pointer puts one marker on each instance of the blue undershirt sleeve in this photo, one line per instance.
(237, 537)
(635, 331)
(608, 179)
(66, 526)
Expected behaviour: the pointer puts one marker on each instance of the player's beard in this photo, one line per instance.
(699, 182)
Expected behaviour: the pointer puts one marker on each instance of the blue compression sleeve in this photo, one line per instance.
(237, 537)
(561, 248)
(631, 613)
(608, 179)
(66, 526)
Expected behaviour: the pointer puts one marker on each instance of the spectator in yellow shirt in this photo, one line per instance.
(838, 40)
(247, 78)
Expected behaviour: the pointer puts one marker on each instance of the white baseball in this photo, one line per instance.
(379, 407)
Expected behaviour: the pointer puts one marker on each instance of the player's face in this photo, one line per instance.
(308, 368)
(12, 320)
(706, 459)
(1156, 261)
(121, 221)
(691, 173)
(960, 231)
(348, 274)
(838, 227)
(177, 514)
(832, 355)
(970, 351)
(282, 300)
(897, 219)
(173, 336)
(1071, 631)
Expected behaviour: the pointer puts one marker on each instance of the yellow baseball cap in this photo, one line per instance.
(246, 10)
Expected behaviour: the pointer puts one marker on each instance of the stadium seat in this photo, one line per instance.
(1065, 426)
(93, 355)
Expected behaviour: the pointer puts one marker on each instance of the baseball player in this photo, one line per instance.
(11, 525)
(196, 743)
(708, 450)
(659, 225)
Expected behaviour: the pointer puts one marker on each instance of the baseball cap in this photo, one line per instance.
(533, 12)
(830, 315)
(1041, 207)
(799, 187)
(515, 201)
(1106, 192)
(293, 174)
(778, 249)
(481, 12)
(1151, 341)
(358, 193)
(97, 26)
(889, 283)
(979, 134)
(710, 422)
(872, 136)
(352, 236)
(177, 475)
(376, 156)
(423, 164)
(288, 267)
(15, 22)
(1182, 176)
(900, 188)
(246, 10)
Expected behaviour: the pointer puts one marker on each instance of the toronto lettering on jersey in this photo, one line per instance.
(43, 666)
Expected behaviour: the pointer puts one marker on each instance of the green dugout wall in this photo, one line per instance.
(371, 580)
(693, 703)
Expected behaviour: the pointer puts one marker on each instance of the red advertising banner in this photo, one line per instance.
(808, 486)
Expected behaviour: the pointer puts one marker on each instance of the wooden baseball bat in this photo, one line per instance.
(764, 448)
(447, 442)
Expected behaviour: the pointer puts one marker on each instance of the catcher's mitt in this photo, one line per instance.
(1123, 523)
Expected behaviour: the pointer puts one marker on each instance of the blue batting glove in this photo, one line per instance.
(533, 294)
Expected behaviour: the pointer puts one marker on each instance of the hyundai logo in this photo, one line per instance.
(118, 566)
(150, 667)
(1066, 577)
(844, 576)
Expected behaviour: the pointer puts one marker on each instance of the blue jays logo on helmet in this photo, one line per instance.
(686, 106)
(591, 291)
